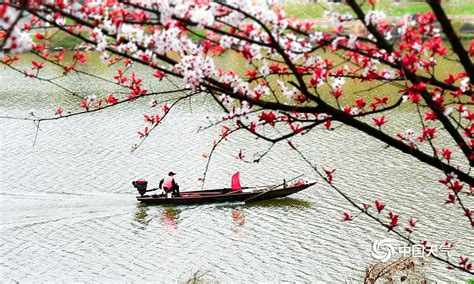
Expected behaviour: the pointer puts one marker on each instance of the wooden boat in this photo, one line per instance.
(227, 195)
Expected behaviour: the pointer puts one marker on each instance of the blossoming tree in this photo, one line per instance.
(290, 87)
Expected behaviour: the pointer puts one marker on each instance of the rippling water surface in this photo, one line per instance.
(68, 209)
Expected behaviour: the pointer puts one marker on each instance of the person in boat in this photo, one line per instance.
(169, 184)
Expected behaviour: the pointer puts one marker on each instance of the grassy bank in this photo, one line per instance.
(316, 10)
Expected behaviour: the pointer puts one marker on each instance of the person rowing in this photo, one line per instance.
(168, 184)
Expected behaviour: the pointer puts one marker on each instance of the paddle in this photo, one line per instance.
(270, 189)
(153, 189)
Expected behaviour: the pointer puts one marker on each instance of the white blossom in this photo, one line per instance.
(338, 82)
(464, 84)
(91, 99)
(374, 16)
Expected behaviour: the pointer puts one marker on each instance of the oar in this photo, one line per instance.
(270, 189)
(153, 189)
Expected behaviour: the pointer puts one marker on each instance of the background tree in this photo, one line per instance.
(293, 83)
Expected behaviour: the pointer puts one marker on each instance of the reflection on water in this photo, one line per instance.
(238, 220)
(169, 216)
(141, 214)
(289, 202)
(281, 202)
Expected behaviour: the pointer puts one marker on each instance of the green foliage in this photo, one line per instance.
(63, 40)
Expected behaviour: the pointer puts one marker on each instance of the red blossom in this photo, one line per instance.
(159, 74)
(329, 175)
(37, 65)
(366, 206)
(456, 186)
(379, 121)
(59, 111)
(84, 104)
(360, 103)
(372, 3)
(144, 133)
(446, 154)
(327, 123)
(337, 93)
(393, 220)
(471, 48)
(379, 205)
(225, 131)
(451, 199)
(111, 99)
(80, 57)
(269, 117)
(346, 217)
(39, 36)
(252, 74)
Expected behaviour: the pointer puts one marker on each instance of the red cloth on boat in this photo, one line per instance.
(236, 181)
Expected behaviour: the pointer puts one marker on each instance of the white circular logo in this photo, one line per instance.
(383, 250)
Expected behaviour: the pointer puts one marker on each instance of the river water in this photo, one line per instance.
(68, 210)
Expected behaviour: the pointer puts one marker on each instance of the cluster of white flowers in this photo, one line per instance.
(336, 18)
(315, 36)
(76, 11)
(226, 100)
(127, 47)
(18, 42)
(110, 27)
(241, 113)
(464, 84)
(352, 41)
(322, 116)
(128, 30)
(242, 87)
(288, 93)
(311, 60)
(8, 17)
(374, 16)
(336, 42)
(466, 113)
(195, 69)
(388, 74)
(254, 51)
(354, 111)
(104, 56)
(170, 40)
(371, 67)
(60, 21)
(448, 111)
(261, 89)
(146, 55)
(409, 133)
(296, 45)
(203, 16)
(416, 46)
(100, 39)
(91, 99)
(233, 18)
(338, 82)
(228, 41)
(264, 70)
(228, 78)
